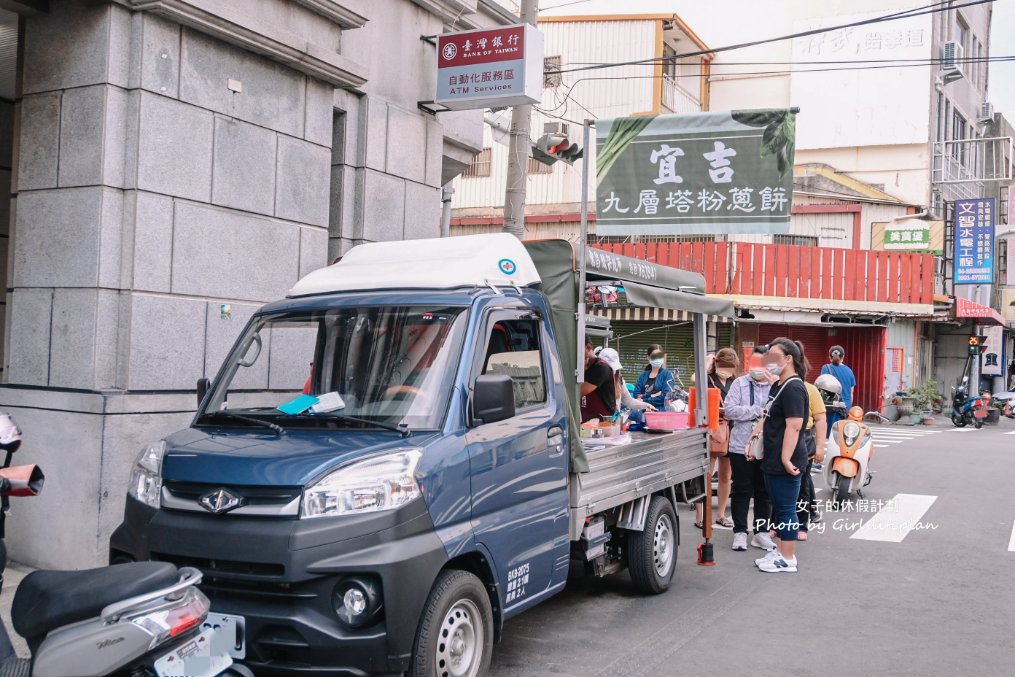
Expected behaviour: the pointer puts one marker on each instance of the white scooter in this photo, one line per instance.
(848, 455)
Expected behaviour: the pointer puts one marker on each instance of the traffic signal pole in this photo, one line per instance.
(518, 150)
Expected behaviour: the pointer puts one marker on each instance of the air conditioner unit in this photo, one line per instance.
(986, 112)
(555, 128)
(951, 62)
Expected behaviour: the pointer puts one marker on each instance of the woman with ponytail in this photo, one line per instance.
(785, 447)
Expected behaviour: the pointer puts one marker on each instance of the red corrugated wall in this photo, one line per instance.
(865, 354)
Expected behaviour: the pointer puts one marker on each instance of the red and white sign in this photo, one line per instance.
(971, 309)
(490, 67)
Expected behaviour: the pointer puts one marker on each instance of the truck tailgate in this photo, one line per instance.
(650, 463)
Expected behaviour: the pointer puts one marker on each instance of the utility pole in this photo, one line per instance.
(518, 150)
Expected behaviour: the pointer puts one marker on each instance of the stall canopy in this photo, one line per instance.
(645, 283)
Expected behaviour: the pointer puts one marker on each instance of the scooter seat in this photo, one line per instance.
(47, 600)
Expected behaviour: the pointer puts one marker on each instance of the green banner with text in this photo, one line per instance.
(703, 173)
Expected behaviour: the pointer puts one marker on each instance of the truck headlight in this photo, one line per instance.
(371, 485)
(146, 478)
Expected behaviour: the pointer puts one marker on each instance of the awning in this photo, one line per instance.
(964, 308)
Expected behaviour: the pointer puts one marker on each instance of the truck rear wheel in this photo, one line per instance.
(652, 552)
(455, 636)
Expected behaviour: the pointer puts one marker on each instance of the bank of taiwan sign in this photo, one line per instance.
(729, 172)
(974, 241)
(490, 67)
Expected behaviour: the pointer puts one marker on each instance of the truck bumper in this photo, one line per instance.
(281, 576)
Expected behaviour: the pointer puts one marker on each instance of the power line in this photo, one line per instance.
(932, 8)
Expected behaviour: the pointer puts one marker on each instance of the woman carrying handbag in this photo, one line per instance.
(785, 449)
(722, 371)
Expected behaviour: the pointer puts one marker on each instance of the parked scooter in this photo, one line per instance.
(848, 455)
(965, 409)
(143, 618)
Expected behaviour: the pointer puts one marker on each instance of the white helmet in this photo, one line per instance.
(828, 383)
(10, 435)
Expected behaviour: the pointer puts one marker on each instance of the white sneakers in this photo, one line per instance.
(770, 555)
(778, 564)
(740, 541)
(763, 541)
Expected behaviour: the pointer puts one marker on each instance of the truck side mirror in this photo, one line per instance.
(493, 398)
(202, 389)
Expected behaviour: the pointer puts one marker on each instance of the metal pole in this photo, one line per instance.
(583, 248)
(518, 150)
(446, 194)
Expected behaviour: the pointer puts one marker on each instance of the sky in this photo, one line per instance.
(721, 22)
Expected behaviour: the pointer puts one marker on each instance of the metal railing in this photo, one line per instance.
(972, 161)
(676, 99)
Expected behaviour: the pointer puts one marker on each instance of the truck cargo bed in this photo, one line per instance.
(620, 474)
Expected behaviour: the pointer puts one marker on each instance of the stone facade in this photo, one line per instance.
(176, 165)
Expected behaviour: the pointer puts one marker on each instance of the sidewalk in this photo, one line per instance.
(12, 577)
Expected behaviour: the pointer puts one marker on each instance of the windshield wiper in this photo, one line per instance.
(249, 419)
(398, 428)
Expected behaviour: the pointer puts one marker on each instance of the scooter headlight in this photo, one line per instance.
(146, 478)
(371, 485)
(850, 433)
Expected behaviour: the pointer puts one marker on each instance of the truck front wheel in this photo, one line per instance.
(455, 636)
(652, 552)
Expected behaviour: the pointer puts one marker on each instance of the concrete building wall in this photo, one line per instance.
(169, 180)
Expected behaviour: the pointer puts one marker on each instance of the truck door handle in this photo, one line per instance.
(555, 441)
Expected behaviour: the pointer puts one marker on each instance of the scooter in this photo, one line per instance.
(137, 619)
(848, 454)
(966, 409)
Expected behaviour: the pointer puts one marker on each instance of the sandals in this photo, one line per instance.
(724, 522)
(699, 525)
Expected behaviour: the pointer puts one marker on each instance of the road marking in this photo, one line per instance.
(1011, 433)
(960, 430)
(1011, 541)
(880, 446)
(894, 522)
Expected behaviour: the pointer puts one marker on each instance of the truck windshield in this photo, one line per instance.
(341, 368)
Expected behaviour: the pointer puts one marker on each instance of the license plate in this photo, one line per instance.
(195, 658)
(230, 634)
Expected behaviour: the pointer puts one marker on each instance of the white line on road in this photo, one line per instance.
(1011, 433)
(880, 446)
(960, 430)
(1011, 541)
(894, 522)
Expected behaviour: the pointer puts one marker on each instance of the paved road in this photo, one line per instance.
(934, 600)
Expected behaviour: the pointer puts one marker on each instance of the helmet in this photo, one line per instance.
(10, 435)
(829, 383)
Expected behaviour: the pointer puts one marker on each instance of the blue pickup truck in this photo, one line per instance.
(388, 464)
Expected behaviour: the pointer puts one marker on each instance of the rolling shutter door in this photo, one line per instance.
(632, 339)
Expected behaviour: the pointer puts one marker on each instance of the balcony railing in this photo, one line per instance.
(676, 99)
(792, 271)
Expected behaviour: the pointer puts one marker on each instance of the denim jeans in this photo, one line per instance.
(784, 490)
(748, 483)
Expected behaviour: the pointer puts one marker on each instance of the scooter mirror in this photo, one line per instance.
(25, 480)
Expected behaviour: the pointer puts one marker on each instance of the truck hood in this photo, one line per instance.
(248, 458)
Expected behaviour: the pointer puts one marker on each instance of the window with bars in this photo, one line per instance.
(801, 240)
(480, 166)
(537, 167)
(550, 77)
(653, 239)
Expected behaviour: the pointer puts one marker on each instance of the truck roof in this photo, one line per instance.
(441, 263)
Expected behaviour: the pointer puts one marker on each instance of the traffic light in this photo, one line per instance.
(556, 146)
(977, 345)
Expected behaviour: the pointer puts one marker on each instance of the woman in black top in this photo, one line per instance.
(785, 449)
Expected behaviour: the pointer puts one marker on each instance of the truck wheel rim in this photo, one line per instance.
(663, 545)
(460, 645)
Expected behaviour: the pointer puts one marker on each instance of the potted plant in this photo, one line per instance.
(923, 398)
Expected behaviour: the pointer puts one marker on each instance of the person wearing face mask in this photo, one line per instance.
(744, 402)
(785, 446)
(598, 391)
(721, 373)
(656, 383)
(637, 408)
